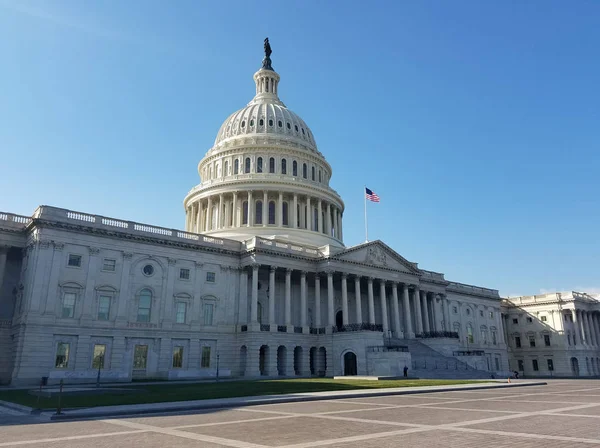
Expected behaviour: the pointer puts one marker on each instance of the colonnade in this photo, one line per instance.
(412, 310)
(587, 327)
(264, 208)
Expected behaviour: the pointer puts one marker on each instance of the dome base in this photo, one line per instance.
(299, 236)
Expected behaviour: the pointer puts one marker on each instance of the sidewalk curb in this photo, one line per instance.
(89, 413)
(16, 407)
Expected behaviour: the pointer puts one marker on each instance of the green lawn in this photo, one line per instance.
(158, 393)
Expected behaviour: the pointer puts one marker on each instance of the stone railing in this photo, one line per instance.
(357, 327)
(12, 221)
(473, 290)
(437, 334)
(281, 246)
(130, 227)
(468, 353)
(387, 348)
(265, 327)
(432, 276)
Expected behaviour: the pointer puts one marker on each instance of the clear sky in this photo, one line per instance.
(476, 122)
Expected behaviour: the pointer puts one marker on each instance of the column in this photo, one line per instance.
(272, 297)
(295, 212)
(418, 317)
(341, 225)
(220, 213)
(288, 297)
(357, 297)
(254, 302)
(208, 225)
(596, 327)
(328, 219)
(124, 288)
(396, 310)
(168, 303)
(588, 328)
(188, 218)
(279, 219)
(302, 299)
(371, 300)
(408, 331)
(344, 298)
(330, 317)
(243, 295)
(335, 224)
(384, 314)
(499, 322)
(320, 217)
(426, 327)
(250, 210)
(436, 318)
(90, 283)
(227, 214)
(448, 325)
(575, 313)
(310, 214)
(582, 332)
(49, 304)
(265, 209)
(235, 216)
(317, 300)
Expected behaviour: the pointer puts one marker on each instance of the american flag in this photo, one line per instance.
(371, 195)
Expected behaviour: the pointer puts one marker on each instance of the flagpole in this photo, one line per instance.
(366, 223)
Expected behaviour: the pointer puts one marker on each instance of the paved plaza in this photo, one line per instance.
(565, 413)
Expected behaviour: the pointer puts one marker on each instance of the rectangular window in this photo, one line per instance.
(62, 356)
(68, 305)
(208, 313)
(491, 314)
(574, 340)
(494, 337)
(532, 341)
(544, 318)
(210, 277)
(74, 261)
(529, 320)
(521, 366)
(109, 265)
(181, 311)
(569, 338)
(481, 313)
(177, 357)
(550, 365)
(205, 361)
(547, 340)
(455, 310)
(144, 308)
(518, 341)
(515, 321)
(104, 307)
(98, 357)
(140, 356)
(535, 365)
(497, 360)
(184, 274)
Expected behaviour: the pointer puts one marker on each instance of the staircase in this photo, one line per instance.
(428, 363)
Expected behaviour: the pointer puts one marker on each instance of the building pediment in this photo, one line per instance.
(377, 254)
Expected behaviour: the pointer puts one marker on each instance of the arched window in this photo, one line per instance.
(259, 165)
(272, 212)
(304, 171)
(285, 214)
(298, 216)
(272, 165)
(470, 337)
(323, 221)
(313, 174)
(225, 168)
(245, 212)
(283, 166)
(258, 212)
(315, 219)
(144, 305)
(294, 168)
(247, 165)
(320, 177)
(236, 166)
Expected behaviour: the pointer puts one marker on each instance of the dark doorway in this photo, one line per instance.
(350, 367)
(339, 320)
(575, 366)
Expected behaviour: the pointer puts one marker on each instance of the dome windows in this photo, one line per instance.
(261, 122)
(243, 123)
(272, 165)
(236, 166)
(313, 173)
(259, 165)
(283, 166)
(272, 212)
(258, 213)
(304, 171)
(294, 168)
(303, 131)
(247, 165)
(296, 127)
(289, 126)
(280, 123)
(271, 123)
(252, 123)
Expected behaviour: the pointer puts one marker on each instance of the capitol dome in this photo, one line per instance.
(264, 176)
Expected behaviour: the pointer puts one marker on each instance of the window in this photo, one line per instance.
(304, 171)
(470, 335)
(480, 313)
(320, 177)
(226, 168)
(532, 341)
(494, 337)
(569, 338)
(205, 362)
(497, 360)
(468, 311)
(283, 166)
(144, 306)
(544, 318)
(98, 356)
(285, 214)
(140, 356)
(258, 212)
(272, 212)
(547, 340)
(491, 314)
(529, 320)
(288, 126)
(208, 313)
(484, 336)
(180, 312)
(247, 165)
(62, 356)
(68, 305)
(520, 365)
(294, 168)
(243, 123)
(296, 127)
(280, 123)
(550, 364)
(177, 357)
(148, 270)
(574, 340)
(272, 165)
(517, 341)
(104, 307)
(259, 165)
(535, 365)
(261, 122)
(270, 122)
(245, 212)
(236, 166)
(109, 265)
(515, 321)
(252, 122)
(455, 310)
(211, 277)
(184, 274)
(74, 261)
(313, 173)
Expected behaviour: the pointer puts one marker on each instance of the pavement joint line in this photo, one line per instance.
(522, 434)
(571, 415)
(185, 434)
(235, 422)
(67, 438)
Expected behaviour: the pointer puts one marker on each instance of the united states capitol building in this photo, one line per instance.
(259, 283)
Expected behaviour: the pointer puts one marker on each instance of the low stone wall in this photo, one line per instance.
(386, 363)
(192, 374)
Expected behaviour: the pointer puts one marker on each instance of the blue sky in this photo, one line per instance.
(476, 122)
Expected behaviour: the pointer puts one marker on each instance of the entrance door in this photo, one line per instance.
(350, 367)
(140, 361)
(339, 320)
(575, 366)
